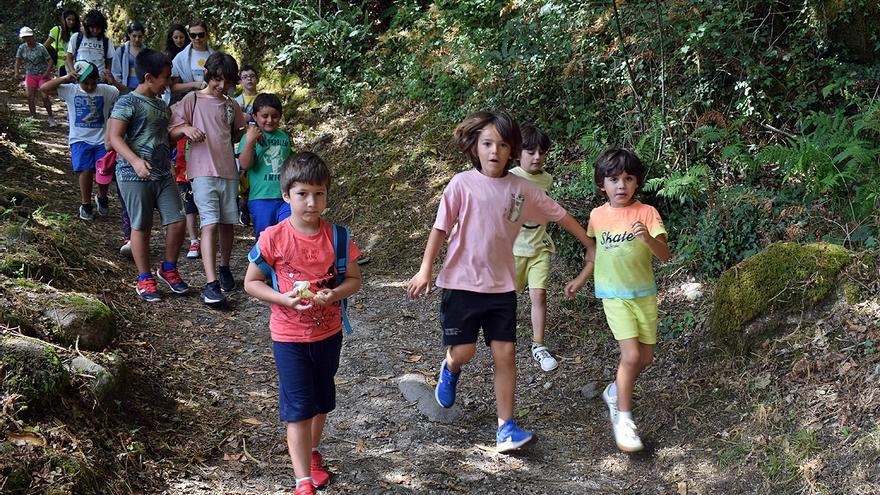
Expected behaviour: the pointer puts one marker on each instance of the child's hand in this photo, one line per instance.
(572, 287)
(194, 134)
(640, 230)
(254, 133)
(418, 284)
(142, 168)
(323, 297)
(292, 300)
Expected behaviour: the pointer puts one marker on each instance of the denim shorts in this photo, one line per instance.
(306, 372)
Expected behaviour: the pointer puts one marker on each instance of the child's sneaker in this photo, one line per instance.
(103, 205)
(227, 281)
(85, 212)
(611, 401)
(305, 489)
(194, 250)
(320, 476)
(244, 218)
(626, 436)
(211, 293)
(543, 357)
(510, 437)
(444, 392)
(172, 278)
(148, 291)
(51, 122)
(125, 249)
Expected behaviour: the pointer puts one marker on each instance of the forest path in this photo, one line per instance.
(204, 390)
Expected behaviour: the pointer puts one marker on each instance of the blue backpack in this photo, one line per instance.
(340, 249)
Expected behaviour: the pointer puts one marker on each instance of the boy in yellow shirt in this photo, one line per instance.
(626, 236)
(533, 245)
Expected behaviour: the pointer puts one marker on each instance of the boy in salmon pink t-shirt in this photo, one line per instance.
(306, 321)
(482, 211)
(625, 236)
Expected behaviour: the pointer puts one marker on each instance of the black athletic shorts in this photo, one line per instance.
(463, 313)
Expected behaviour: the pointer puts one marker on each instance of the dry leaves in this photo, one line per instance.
(25, 438)
(252, 421)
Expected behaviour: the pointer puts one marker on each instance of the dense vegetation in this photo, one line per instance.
(758, 119)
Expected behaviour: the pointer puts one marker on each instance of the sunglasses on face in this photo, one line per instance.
(198, 35)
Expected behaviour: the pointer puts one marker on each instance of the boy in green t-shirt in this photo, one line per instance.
(533, 245)
(626, 236)
(263, 150)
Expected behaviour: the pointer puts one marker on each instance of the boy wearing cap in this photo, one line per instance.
(88, 108)
(38, 67)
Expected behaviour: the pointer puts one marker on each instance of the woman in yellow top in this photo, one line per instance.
(59, 37)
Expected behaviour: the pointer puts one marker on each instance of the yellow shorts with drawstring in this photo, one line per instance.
(632, 318)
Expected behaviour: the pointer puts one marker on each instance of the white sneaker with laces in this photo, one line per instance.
(544, 358)
(611, 401)
(626, 436)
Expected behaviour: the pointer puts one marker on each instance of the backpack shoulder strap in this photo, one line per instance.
(106, 42)
(256, 257)
(341, 235)
(79, 42)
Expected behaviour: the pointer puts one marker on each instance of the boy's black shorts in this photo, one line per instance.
(463, 313)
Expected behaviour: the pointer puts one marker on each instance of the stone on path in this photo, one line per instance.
(104, 384)
(31, 369)
(414, 388)
(80, 316)
(591, 390)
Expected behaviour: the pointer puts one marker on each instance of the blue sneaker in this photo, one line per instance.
(511, 437)
(444, 392)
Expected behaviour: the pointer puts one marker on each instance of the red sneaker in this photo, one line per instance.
(148, 291)
(320, 476)
(305, 489)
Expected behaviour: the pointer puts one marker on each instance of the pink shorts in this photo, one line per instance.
(34, 81)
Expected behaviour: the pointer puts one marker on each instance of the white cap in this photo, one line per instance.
(25, 31)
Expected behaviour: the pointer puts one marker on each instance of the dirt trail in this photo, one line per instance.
(204, 395)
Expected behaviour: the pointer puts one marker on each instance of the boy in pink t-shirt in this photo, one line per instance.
(306, 322)
(625, 235)
(482, 211)
(213, 121)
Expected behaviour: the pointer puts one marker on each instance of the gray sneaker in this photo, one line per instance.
(85, 212)
(103, 205)
(211, 294)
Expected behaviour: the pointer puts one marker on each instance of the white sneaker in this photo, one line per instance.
(125, 250)
(543, 357)
(626, 436)
(611, 401)
(51, 122)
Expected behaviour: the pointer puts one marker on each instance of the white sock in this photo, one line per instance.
(193, 241)
(621, 415)
(314, 449)
(303, 480)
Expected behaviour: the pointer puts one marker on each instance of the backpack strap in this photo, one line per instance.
(106, 42)
(256, 257)
(340, 249)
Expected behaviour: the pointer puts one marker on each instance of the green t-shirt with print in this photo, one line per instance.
(264, 176)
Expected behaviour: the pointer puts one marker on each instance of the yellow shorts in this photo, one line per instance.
(532, 271)
(632, 318)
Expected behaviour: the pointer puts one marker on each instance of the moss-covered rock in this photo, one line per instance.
(80, 316)
(753, 298)
(31, 370)
(103, 382)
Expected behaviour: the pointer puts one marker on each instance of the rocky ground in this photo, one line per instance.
(199, 413)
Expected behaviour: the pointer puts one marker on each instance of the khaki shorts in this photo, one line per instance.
(142, 197)
(532, 271)
(216, 199)
(632, 318)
